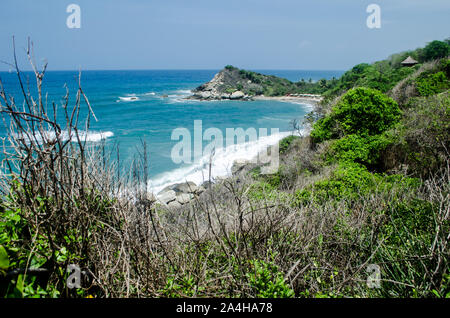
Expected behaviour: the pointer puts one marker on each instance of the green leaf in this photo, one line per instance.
(4, 260)
(436, 293)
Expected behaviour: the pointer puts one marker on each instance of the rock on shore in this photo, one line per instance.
(176, 195)
(227, 84)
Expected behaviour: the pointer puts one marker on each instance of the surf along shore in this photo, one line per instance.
(178, 194)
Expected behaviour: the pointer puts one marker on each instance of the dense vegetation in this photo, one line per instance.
(381, 75)
(360, 208)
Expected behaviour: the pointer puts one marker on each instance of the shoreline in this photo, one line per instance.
(168, 197)
(313, 100)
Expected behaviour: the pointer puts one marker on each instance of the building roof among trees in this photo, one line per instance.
(409, 61)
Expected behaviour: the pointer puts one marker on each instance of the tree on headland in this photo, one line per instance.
(435, 50)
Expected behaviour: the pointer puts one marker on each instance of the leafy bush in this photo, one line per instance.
(267, 281)
(435, 50)
(445, 67)
(345, 182)
(350, 181)
(382, 75)
(431, 84)
(361, 149)
(177, 287)
(362, 111)
(286, 142)
(16, 252)
(421, 139)
(230, 68)
(262, 190)
(411, 230)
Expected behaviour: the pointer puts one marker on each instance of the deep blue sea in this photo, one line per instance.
(132, 106)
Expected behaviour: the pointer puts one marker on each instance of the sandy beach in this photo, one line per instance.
(292, 99)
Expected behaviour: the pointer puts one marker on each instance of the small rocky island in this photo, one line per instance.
(232, 83)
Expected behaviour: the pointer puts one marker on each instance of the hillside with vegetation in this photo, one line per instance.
(237, 84)
(382, 75)
(359, 208)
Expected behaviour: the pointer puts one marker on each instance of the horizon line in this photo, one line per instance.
(172, 69)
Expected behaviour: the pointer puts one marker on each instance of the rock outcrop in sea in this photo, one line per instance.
(224, 85)
(232, 83)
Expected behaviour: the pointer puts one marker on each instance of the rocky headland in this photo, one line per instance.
(232, 83)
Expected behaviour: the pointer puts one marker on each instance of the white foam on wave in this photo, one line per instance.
(307, 106)
(90, 136)
(179, 96)
(221, 163)
(128, 98)
(173, 97)
(184, 92)
(96, 136)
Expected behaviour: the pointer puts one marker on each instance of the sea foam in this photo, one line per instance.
(90, 136)
(128, 98)
(221, 163)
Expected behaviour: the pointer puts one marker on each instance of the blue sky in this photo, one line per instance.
(208, 34)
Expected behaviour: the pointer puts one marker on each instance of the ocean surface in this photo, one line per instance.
(136, 106)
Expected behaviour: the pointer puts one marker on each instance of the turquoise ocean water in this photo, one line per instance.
(148, 105)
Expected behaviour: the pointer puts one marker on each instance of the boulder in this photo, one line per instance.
(165, 189)
(200, 190)
(184, 198)
(167, 196)
(207, 184)
(174, 205)
(187, 187)
(237, 95)
(239, 166)
(203, 94)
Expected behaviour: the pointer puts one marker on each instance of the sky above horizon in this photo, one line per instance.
(209, 34)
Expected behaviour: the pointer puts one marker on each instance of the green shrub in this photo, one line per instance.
(347, 181)
(230, 68)
(268, 281)
(421, 140)
(286, 142)
(382, 75)
(16, 252)
(362, 111)
(350, 181)
(261, 190)
(432, 84)
(177, 287)
(361, 149)
(230, 90)
(411, 230)
(445, 67)
(435, 50)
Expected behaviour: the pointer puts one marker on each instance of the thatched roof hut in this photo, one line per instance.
(409, 62)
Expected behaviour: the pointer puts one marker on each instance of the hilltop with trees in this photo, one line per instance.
(235, 83)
